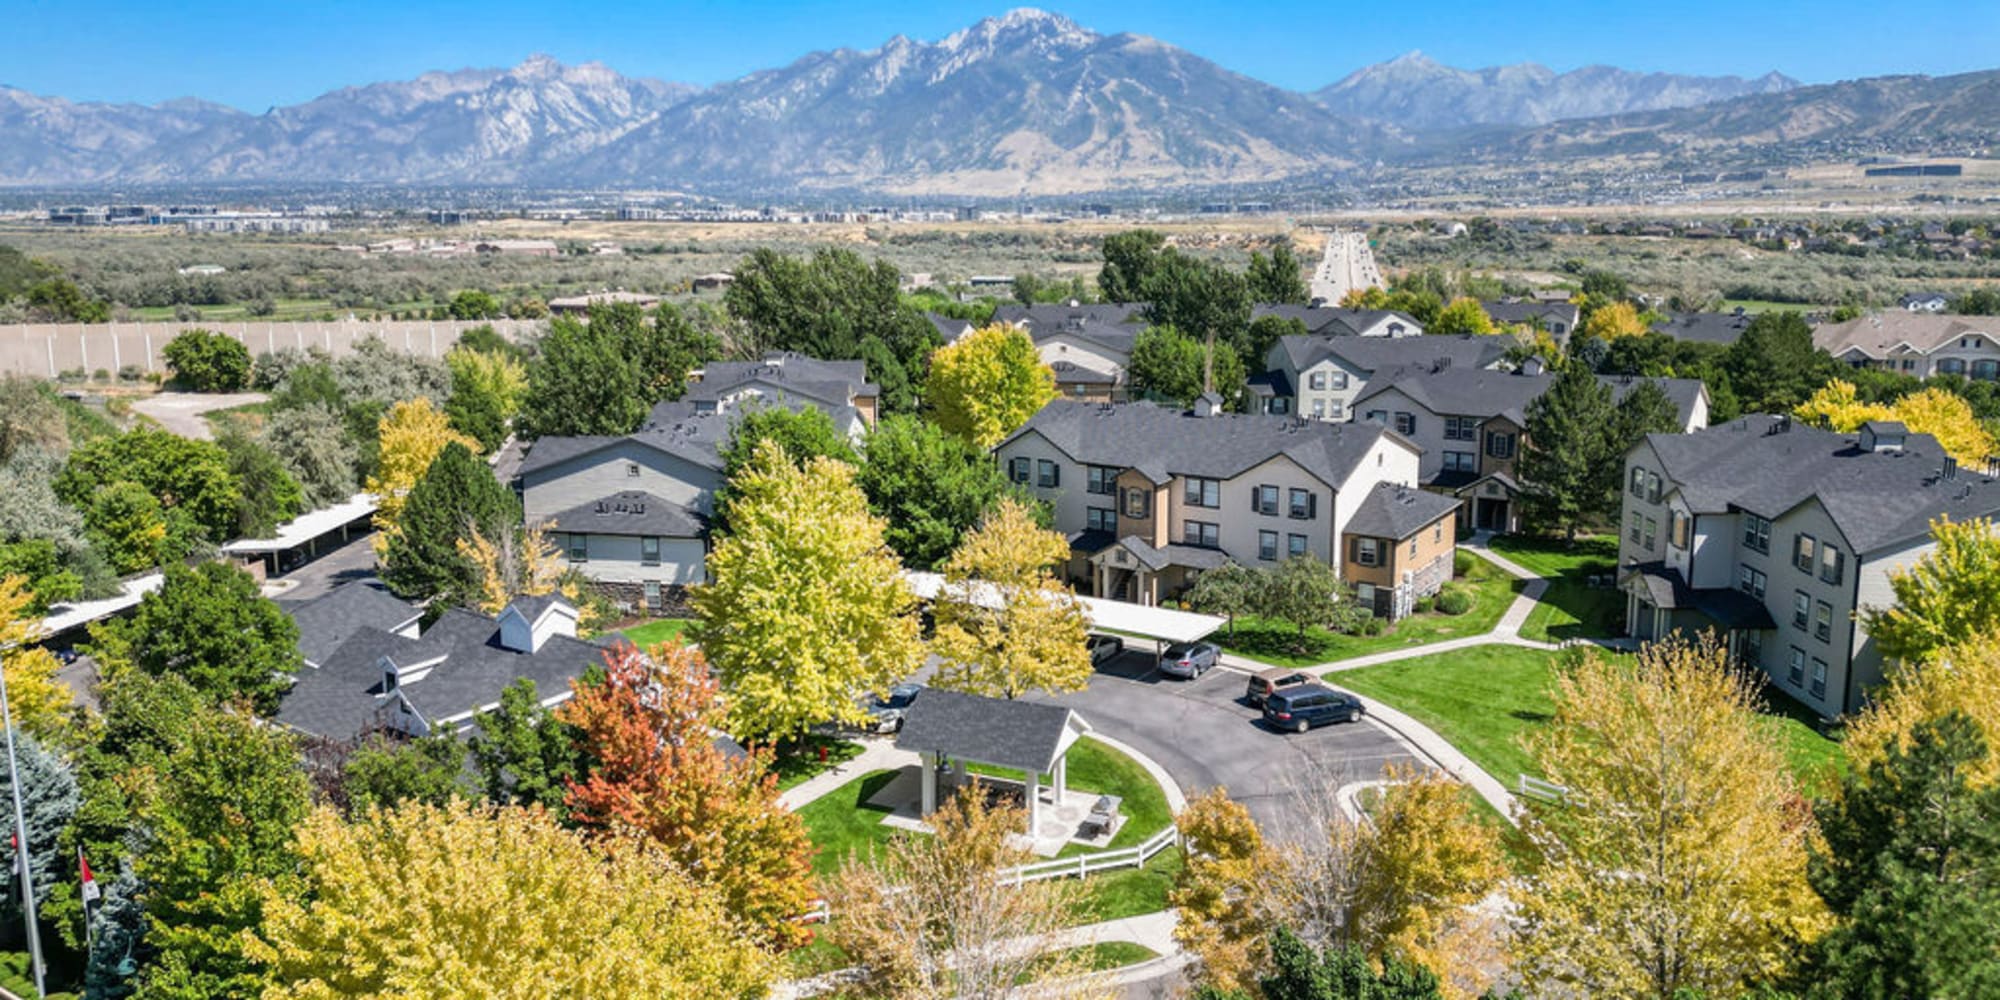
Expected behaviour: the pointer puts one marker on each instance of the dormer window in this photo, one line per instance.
(389, 678)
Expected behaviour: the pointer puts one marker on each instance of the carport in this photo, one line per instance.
(304, 534)
(1165, 626)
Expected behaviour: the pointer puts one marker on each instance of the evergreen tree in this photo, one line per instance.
(523, 753)
(1569, 446)
(1774, 366)
(49, 798)
(456, 496)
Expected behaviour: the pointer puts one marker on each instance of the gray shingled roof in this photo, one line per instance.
(1071, 372)
(676, 428)
(631, 512)
(1334, 321)
(1370, 354)
(1172, 554)
(1707, 328)
(1113, 325)
(834, 383)
(1516, 313)
(1459, 391)
(329, 620)
(1726, 606)
(1395, 511)
(1875, 498)
(1176, 442)
(1001, 731)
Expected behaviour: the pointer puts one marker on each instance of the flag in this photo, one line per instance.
(90, 893)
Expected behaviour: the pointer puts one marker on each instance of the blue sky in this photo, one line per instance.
(254, 55)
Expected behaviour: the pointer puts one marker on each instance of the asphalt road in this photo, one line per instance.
(353, 561)
(1206, 736)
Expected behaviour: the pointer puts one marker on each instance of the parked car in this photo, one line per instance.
(1265, 683)
(1189, 659)
(1104, 647)
(1309, 705)
(886, 713)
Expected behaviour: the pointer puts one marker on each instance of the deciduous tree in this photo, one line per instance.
(185, 476)
(1175, 367)
(204, 361)
(1429, 861)
(39, 701)
(928, 487)
(1462, 315)
(1949, 594)
(1005, 624)
(1277, 279)
(1200, 298)
(835, 305)
(1946, 416)
(486, 391)
(649, 731)
(1675, 859)
(268, 496)
(1223, 892)
(987, 383)
(583, 382)
(313, 444)
(1230, 589)
(209, 625)
(386, 772)
(412, 434)
(525, 755)
(1614, 321)
(459, 902)
(805, 608)
(1128, 258)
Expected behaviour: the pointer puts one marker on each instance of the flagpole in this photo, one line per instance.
(21, 841)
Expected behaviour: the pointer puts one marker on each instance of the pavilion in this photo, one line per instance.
(951, 726)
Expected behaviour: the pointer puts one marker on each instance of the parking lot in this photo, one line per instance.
(1205, 735)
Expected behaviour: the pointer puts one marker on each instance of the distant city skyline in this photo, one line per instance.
(254, 56)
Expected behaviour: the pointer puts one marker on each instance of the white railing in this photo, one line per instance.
(1529, 787)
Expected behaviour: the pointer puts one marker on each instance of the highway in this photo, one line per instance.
(1348, 264)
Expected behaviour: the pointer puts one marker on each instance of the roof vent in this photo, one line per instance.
(1950, 470)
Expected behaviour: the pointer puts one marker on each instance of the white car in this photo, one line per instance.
(1103, 648)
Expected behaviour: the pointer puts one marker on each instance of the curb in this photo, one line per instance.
(1176, 799)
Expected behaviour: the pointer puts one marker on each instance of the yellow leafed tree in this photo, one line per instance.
(1836, 408)
(1676, 859)
(1964, 677)
(1005, 624)
(1429, 860)
(1222, 892)
(1947, 417)
(40, 702)
(1619, 319)
(461, 901)
(1949, 595)
(517, 564)
(411, 435)
(987, 383)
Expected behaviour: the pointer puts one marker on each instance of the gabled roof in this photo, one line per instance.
(1168, 442)
(1001, 731)
(1334, 321)
(1482, 393)
(1707, 328)
(631, 512)
(329, 620)
(1769, 465)
(834, 383)
(1112, 325)
(1877, 334)
(677, 428)
(1527, 311)
(1172, 554)
(1370, 354)
(1392, 510)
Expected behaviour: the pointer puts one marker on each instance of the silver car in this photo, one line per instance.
(1189, 659)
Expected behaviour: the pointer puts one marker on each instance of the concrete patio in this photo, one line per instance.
(1059, 817)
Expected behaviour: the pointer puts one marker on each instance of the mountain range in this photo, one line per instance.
(1026, 103)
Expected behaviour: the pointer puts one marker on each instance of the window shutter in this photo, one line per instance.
(1312, 505)
(1055, 475)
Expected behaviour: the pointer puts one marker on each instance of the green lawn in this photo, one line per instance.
(842, 822)
(799, 761)
(1570, 608)
(1107, 955)
(1279, 643)
(1818, 761)
(1128, 892)
(248, 418)
(1095, 767)
(657, 631)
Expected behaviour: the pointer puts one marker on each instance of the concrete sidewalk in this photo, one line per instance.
(878, 754)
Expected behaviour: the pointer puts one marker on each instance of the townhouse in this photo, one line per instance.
(1335, 321)
(1776, 535)
(1559, 318)
(1922, 344)
(1320, 376)
(1151, 497)
(1472, 423)
(1088, 345)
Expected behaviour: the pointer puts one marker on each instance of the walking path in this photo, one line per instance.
(877, 754)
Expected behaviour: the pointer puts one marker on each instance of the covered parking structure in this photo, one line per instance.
(1164, 626)
(301, 539)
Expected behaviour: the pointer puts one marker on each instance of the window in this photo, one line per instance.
(1339, 380)
(649, 551)
(1951, 366)
(1819, 678)
(1638, 486)
(1802, 553)
(631, 470)
(1367, 552)
(1017, 469)
(1437, 532)
(1364, 594)
(1319, 408)
(1305, 505)
(1100, 479)
(1677, 529)
(1652, 532)
(1751, 582)
(652, 594)
(1638, 529)
(1796, 673)
(1100, 519)
(1823, 622)
(1264, 500)
(1135, 503)
(1280, 405)
(1752, 649)
(1831, 562)
(1316, 380)
(1203, 492)
(1646, 484)
(1756, 533)
(1206, 534)
(1295, 545)
(1653, 482)
(1801, 610)
(1047, 474)
(1461, 428)
(1406, 423)
(1500, 445)
(1334, 410)
(579, 548)
(1378, 416)
(1267, 545)
(1461, 461)
(1413, 546)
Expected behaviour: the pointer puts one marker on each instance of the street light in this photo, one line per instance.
(21, 830)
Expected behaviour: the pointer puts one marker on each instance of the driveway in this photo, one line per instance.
(180, 412)
(353, 561)
(1205, 735)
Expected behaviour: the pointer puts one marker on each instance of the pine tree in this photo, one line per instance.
(1569, 445)
(456, 495)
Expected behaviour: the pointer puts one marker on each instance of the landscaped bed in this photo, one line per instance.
(1279, 643)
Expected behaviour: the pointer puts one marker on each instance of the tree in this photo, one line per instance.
(1337, 973)
(1952, 592)
(584, 382)
(987, 383)
(384, 773)
(60, 300)
(127, 524)
(516, 563)
(1613, 322)
(805, 434)
(36, 561)
(185, 476)
(1301, 591)
(1946, 416)
(1675, 859)
(804, 608)
(30, 417)
(1279, 278)
(937, 917)
(928, 487)
(1173, 366)
(669, 350)
(49, 798)
(412, 435)
(208, 362)
(1230, 589)
(1837, 407)
(649, 733)
(1222, 892)
(1963, 679)
(525, 755)
(1911, 866)
(457, 497)
(269, 496)
(1128, 258)
(1264, 333)
(31, 513)
(486, 391)
(221, 841)
(835, 305)
(1200, 298)
(1567, 469)
(1646, 409)
(1462, 315)
(1430, 860)
(1034, 641)
(404, 902)
(1774, 366)
(312, 443)
(40, 702)
(209, 625)
(474, 304)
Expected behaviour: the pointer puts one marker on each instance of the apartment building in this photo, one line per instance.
(1150, 496)
(1087, 344)
(1334, 321)
(1922, 344)
(1320, 376)
(1775, 535)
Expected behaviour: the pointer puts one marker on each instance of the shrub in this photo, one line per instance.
(1454, 601)
(1372, 625)
(209, 362)
(1425, 605)
(1461, 563)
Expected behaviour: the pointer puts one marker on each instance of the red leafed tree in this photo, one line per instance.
(649, 731)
